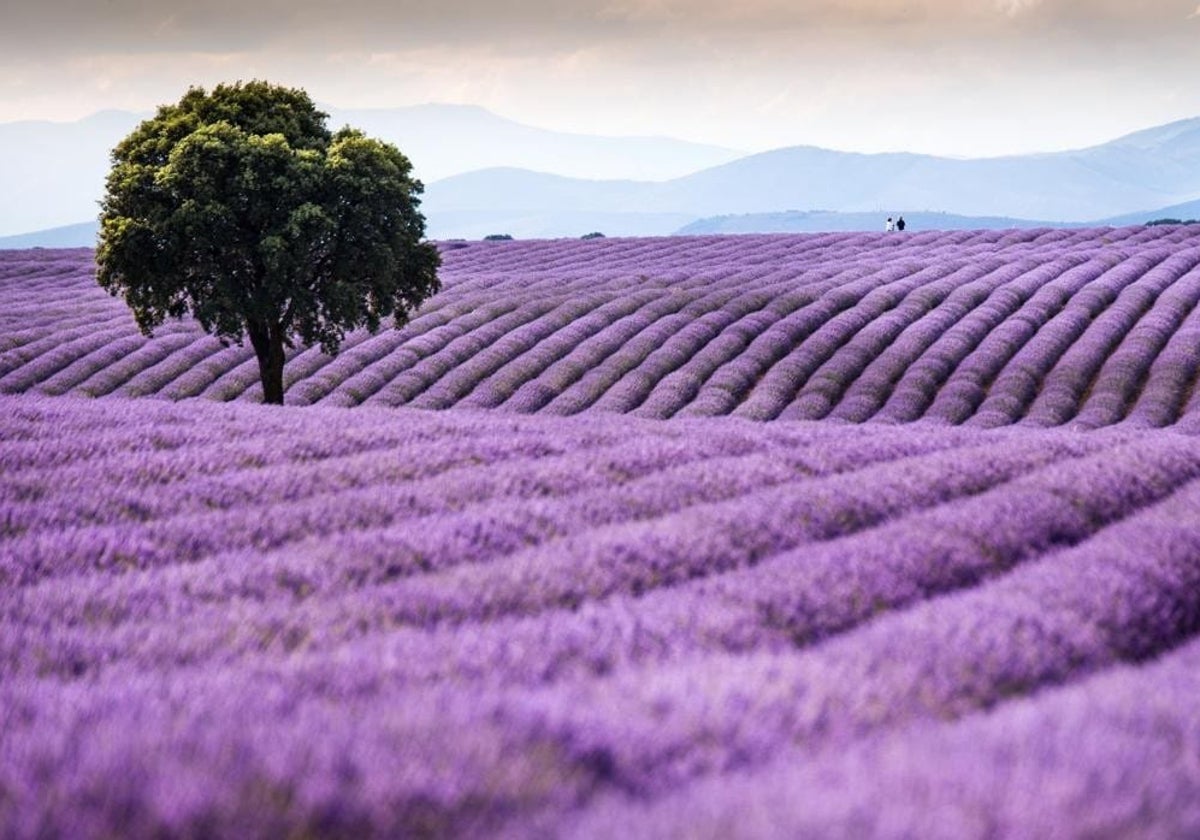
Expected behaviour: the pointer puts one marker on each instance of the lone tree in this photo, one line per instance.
(240, 207)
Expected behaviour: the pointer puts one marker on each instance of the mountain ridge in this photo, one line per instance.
(61, 176)
(83, 234)
(1154, 168)
(58, 168)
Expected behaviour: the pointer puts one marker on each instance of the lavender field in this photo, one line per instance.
(951, 589)
(1085, 328)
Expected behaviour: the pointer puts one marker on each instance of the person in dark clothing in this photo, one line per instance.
(900, 223)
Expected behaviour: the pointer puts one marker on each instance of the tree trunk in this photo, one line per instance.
(268, 347)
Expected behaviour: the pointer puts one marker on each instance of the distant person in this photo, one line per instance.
(889, 225)
(900, 223)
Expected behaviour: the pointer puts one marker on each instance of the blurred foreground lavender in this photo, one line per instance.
(236, 620)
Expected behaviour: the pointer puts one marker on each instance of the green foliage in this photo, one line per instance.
(498, 237)
(1173, 222)
(241, 208)
(593, 235)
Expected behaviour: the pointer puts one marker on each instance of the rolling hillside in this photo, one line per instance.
(741, 537)
(1085, 327)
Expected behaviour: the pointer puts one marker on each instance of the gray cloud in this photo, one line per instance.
(957, 76)
(221, 26)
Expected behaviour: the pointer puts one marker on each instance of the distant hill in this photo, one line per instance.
(570, 224)
(54, 171)
(444, 140)
(1189, 210)
(567, 223)
(1154, 168)
(820, 221)
(824, 221)
(1143, 176)
(477, 225)
(67, 236)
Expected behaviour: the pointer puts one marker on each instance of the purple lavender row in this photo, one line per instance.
(1047, 377)
(1066, 384)
(606, 373)
(116, 347)
(1048, 287)
(148, 486)
(805, 594)
(524, 255)
(355, 751)
(953, 403)
(577, 380)
(154, 366)
(1120, 380)
(769, 357)
(1128, 594)
(947, 380)
(1108, 756)
(809, 593)
(711, 252)
(363, 368)
(438, 351)
(187, 536)
(840, 584)
(720, 382)
(1014, 388)
(1167, 338)
(701, 540)
(495, 374)
(683, 364)
(142, 487)
(158, 483)
(835, 328)
(640, 364)
(780, 336)
(46, 434)
(240, 379)
(775, 391)
(144, 507)
(37, 360)
(319, 582)
(25, 339)
(474, 357)
(846, 365)
(670, 339)
(551, 357)
(367, 361)
(933, 314)
(31, 444)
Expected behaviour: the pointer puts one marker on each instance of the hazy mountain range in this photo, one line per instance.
(818, 220)
(1138, 174)
(486, 174)
(53, 172)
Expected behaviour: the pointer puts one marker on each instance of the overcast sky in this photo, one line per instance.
(960, 77)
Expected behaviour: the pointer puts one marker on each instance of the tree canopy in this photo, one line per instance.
(241, 208)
